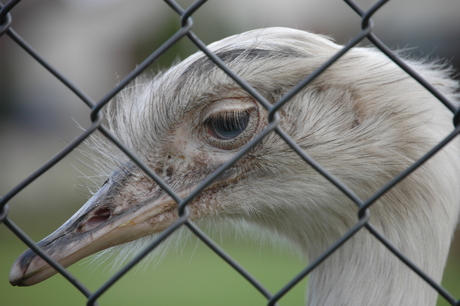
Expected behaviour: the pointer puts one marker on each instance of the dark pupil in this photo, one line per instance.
(228, 125)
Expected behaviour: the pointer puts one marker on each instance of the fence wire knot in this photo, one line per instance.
(4, 213)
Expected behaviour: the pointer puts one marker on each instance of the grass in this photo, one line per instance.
(195, 276)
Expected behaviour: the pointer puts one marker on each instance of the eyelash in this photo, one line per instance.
(228, 125)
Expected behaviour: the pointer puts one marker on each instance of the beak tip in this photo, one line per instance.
(16, 274)
(20, 272)
(21, 278)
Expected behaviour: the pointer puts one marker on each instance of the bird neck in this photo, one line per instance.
(372, 276)
(363, 271)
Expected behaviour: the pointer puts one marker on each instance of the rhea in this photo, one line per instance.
(364, 120)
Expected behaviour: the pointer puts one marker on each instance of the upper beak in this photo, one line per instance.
(113, 216)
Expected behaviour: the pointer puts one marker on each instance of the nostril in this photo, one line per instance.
(99, 217)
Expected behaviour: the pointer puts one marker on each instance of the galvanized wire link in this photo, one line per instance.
(186, 23)
(5, 17)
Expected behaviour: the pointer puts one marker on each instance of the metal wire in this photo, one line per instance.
(185, 30)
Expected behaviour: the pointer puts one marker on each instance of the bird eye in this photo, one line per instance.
(228, 125)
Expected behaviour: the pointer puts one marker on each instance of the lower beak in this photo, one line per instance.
(94, 228)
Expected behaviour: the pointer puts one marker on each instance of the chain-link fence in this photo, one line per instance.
(185, 31)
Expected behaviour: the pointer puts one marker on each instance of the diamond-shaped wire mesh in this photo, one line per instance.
(185, 32)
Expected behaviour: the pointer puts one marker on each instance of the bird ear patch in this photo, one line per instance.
(339, 102)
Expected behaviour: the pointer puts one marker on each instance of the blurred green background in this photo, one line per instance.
(97, 42)
(193, 276)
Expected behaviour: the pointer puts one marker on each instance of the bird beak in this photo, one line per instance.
(119, 212)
